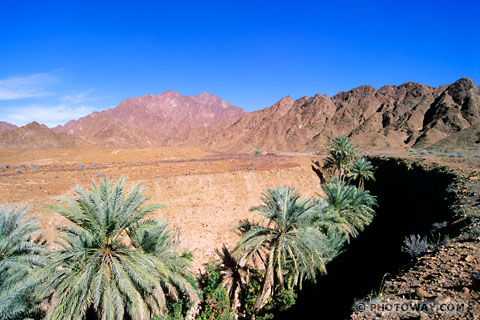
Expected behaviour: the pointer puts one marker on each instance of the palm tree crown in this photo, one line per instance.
(113, 262)
(234, 275)
(346, 209)
(341, 153)
(361, 170)
(284, 239)
(19, 255)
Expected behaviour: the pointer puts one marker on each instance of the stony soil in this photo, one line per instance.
(204, 193)
(444, 275)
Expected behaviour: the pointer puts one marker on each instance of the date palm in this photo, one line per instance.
(361, 170)
(341, 153)
(284, 239)
(113, 262)
(346, 209)
(20, 254)
(234, 275)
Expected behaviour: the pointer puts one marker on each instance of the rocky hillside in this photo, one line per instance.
(35, 135)
(411, 114)
(7, 126)
(151, 119)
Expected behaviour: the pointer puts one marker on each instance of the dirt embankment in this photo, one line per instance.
(205, 207)
(204, 194)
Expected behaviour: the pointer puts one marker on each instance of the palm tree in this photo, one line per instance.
(234, 275)
(19, 256)
(346, 209)
(113, 261)
(341, 153)
(153, 237)
(361, 170)
(290, 247)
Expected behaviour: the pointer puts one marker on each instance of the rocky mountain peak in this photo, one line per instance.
(7, 126)
(162, 116)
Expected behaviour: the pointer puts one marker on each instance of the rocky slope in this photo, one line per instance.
(393, 117)
(35, 135)
(411, 114)
(7, 126)
(151, 119)
(443, 274)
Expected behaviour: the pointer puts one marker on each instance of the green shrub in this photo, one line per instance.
(215, 303)
(284, 299)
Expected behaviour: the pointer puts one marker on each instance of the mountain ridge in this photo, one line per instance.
(35, 135)
(7, 126)
(155, 117)
(407, 115)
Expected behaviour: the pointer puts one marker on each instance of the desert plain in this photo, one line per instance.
(204, 193)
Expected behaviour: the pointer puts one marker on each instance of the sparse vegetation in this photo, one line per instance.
(415, 245)
(215, 302)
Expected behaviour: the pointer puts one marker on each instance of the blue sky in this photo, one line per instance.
(62, 60)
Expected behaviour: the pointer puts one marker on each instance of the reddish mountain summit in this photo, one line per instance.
(409, 115)
(35, 135)
(7, 126)
(151, 119)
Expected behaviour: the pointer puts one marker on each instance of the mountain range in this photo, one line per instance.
(408, 115)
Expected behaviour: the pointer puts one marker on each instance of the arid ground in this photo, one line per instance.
(204, 194)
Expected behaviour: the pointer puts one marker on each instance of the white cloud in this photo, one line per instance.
(31, 86)
(48, 115)
(79, 97)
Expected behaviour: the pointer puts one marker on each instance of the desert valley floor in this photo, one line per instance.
(204, 193)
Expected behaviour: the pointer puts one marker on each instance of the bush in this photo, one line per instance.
(284, 299)
(215, 301)
(415, 245)
(257, 152)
